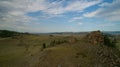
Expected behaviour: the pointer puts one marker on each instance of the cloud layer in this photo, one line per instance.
(108, 11)
(13, 13)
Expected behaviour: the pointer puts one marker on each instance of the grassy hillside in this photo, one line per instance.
(59, 51)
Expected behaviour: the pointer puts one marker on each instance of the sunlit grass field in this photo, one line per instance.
(27, 51)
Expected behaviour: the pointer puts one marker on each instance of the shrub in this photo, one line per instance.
(109, 41)
(6, 33)
(52, 43)
(44, 45)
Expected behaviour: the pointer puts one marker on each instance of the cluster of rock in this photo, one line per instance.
(105, 56)
(97, 37)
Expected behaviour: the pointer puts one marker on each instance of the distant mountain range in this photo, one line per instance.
(112, 32)
(11, 33)
(105, 32)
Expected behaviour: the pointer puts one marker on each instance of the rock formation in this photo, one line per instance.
(97, 37)
(105, 54)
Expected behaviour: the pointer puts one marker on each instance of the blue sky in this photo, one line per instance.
(37, 16)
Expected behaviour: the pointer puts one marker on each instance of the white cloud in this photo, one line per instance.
(76, 18)
(108, 11)
(106, 25)
(22, 7)
(92, 14)
(80, 23)
(113, 16)
(104, 4)
(78, 6)
(81, 5)
(13, 12)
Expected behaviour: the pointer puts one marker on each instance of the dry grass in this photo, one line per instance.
(25, 51)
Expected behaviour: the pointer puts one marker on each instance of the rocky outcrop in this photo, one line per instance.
(105, 54)
(97, 37)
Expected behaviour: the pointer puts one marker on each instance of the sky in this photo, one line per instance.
(37, 16)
